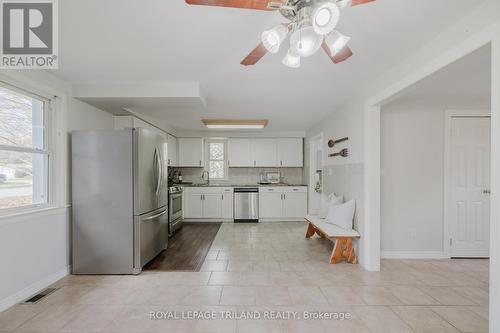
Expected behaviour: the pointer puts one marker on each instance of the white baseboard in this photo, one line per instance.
(32, 289)
(413, 255)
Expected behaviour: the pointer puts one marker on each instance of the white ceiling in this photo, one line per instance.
(465, 83)
(128, 41)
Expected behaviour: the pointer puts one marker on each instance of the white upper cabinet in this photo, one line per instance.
(172, 150)
(264, 152)
(190, 153)
(290, 152)
(240, 153)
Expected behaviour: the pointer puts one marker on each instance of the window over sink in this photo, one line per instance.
(217, 159)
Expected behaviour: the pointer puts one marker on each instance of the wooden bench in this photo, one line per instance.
(343, 239)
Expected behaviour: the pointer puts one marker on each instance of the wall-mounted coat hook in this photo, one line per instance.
(332, 143)
(344, 153)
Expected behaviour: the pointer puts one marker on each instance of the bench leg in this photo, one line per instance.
(343, 249)
(311, 230)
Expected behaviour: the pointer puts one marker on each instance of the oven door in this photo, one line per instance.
(175, 206)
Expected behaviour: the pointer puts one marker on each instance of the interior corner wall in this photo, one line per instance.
(344, 175)
(35, 248)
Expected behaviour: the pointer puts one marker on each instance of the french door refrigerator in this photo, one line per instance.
(119, 200)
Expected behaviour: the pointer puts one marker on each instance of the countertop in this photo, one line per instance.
(236, 185)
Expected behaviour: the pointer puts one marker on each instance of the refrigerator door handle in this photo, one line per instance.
(158, 170)
(155, 216)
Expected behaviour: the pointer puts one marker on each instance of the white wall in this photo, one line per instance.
(35, 248)
(412, 164)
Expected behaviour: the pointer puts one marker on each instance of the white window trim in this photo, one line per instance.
(207, 159)
(49, 104)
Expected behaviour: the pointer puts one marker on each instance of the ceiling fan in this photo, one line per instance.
(311, 27)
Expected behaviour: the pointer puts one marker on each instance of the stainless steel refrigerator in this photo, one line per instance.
(120, 200)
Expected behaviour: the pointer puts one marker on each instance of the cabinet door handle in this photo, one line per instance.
(228, 162)
(281, 163)
(223, 197)
(254, 163)
(200, 162)
(284, 196)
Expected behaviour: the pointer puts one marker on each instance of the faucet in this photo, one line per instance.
(208, 176)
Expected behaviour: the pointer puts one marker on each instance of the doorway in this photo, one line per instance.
(467, 184)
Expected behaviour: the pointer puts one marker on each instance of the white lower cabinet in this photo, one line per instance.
(208, 203)
(227, 204)
(193, 205)
(282, 203)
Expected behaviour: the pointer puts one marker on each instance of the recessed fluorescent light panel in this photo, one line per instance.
(234, 123)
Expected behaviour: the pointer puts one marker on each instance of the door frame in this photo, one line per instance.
(449, 115)
(314, 143)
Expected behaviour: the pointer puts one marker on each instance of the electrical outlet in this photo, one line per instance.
(413, 233)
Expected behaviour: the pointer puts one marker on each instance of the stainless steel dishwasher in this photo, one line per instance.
(246, 204)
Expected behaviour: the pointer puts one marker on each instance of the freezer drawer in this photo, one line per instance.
(150, 236)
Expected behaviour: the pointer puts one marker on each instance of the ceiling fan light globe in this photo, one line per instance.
(272, 39)
(336, 41)
(325, 17)
(291, 60)
(305, 41)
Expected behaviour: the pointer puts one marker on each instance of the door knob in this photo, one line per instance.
(486, 191)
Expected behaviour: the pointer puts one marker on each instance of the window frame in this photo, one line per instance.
(207, 159)
(48, 105)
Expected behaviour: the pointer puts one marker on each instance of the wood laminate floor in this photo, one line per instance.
(187, 249)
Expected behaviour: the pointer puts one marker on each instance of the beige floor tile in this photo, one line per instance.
(232, 295)
(462, 318)
(240, 266)
(307, 296)
(51, 319)
(212, 255)
(381, 319)
(254, 326)
(342, 296)
(92, 318)
(447, 296)
(423, 320)
(221, 324)
(214, 266)
(376, 295)
(17, 315)
(475, 294)
(202, 295)
(224, 278)
(132, 318)
(283, 279)
(412, 295)
(302, 326)
(253, 279)
(272, 296)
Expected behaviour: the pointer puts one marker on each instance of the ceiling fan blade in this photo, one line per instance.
(248, 4)
(340, 56)
(360, 2)
(253, 57)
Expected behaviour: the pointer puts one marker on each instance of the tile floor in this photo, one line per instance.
(269, 267)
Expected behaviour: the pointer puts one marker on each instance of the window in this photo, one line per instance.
(24, 156)
(217, 165)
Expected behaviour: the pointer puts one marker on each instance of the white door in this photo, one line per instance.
(172, 150)
(270, 205)
(212, 205)
(470, 185)
(295, 205)
(264, 152)
(193, 206)
(239, 153)
(190, 152)
(290, 152)
(227, 204)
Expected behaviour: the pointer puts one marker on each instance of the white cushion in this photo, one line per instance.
(342, 215)
(326, 202)
(331, 230)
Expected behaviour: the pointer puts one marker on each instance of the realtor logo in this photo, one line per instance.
(29, 34)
